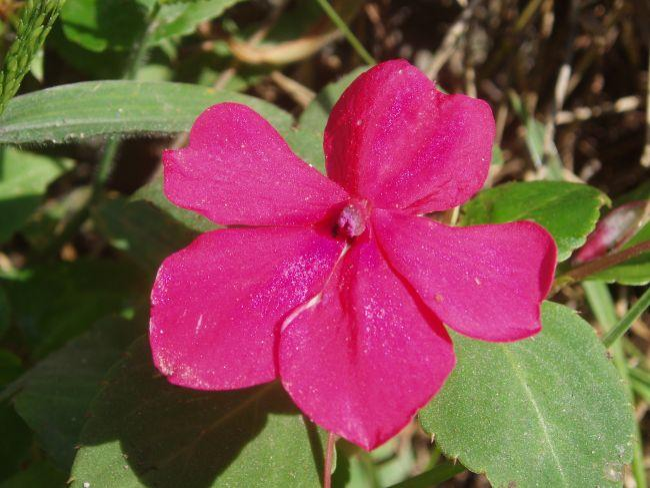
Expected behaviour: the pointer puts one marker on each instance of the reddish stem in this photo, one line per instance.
(590, 268)
(329, 455)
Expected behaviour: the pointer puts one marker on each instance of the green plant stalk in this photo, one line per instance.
(603, 308)
(341, 25)
(627, 321)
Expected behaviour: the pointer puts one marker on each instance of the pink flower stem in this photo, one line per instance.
(590, 268)
(329, 455)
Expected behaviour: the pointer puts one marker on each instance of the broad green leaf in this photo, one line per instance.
(104, 65)
(24, 177)
(143, 431)
(53, 396)
(98, 25)
(153, 194)
(632, 272)
(549, 411)
(569, 211)
(88, 109)
(308, 145)
(101, 25)
(182, 18)
(53, 303)
(144, 232)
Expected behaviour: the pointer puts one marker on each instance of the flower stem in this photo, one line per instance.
(587, 269)
(341, 25)
(625, 323)
(329, 455)
(105, 165)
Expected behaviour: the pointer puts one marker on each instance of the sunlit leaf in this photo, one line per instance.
(549, 411)
(569, 211)
(81, 110)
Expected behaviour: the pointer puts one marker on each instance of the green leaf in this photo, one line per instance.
(308, 145)
(11, 367)
(153, 194)
(549, 411)
(14, 443)
(632, 272)
(24, 177)
(88, 109)
(569, 211)
(105, 65)
(116, 25)
(36, 20)
(55, 302)
(98, 25)
(144, 232)
(37, 474)
(5, 313)
(143, 431)
(182, 19)
(53, 396)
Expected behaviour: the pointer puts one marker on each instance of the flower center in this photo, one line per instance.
(352, 220)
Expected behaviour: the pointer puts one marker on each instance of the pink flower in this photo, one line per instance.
(339, 286)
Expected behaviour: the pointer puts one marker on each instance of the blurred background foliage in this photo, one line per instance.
(83, 224)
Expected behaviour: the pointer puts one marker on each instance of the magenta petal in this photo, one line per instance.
(486, 282)
(364, 359)
(396, 140)
(217, 305)
(237, 169)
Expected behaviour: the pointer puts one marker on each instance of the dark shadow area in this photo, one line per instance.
(15, 211)
(177, 437)
(315, 445)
